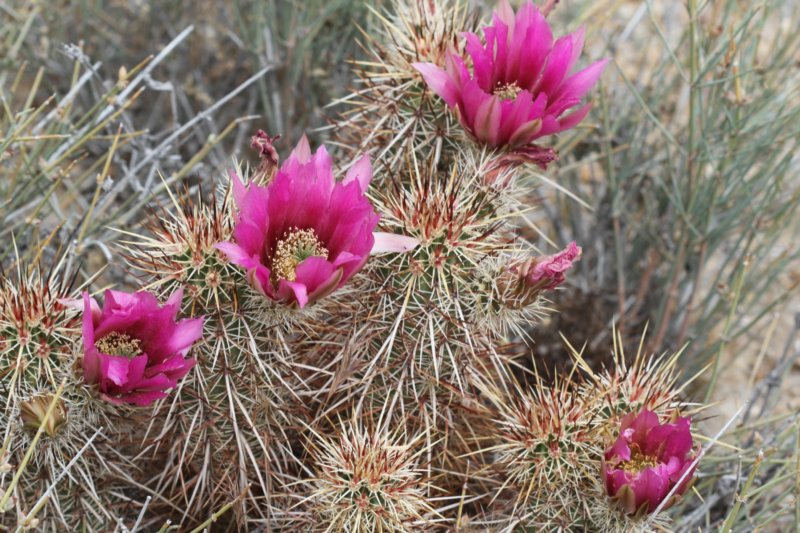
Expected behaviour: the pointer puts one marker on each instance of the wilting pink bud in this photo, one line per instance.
(304, 235)
(267, 152)
(499, 170)
(549, 272)
(520, 87)
(135, 350)
(523, 282)
(647, 461)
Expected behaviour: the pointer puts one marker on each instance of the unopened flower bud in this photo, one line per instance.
(501, 169)
(33, 411)
(268, 154)
(523, 282)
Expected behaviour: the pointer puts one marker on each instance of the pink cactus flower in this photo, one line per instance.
(304, 235)
(520, 87)
(550, 271)
(647, 461)
(133, 349)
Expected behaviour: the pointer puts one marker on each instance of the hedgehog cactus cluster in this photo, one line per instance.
(383, 288)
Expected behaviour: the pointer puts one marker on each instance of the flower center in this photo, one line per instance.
(508, 91)
(639, 462)
(119, 344)
(296, 246)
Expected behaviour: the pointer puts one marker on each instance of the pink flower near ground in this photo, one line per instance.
(304, 235)
(520, 87)
(134, 350)
(647, 461)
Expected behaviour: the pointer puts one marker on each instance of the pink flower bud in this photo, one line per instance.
(550, 271)
(267, 152)
(522, 283)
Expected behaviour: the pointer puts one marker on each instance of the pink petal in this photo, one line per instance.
(239, 190)
(114, 368)
(313, 272)
(174, 368)
(573, 119)
(186, 333)
(482, 63)
(361, 171)
(323, 170)
(518, 34)
(391, 242)
(118, 300)
(457, 70)
(513, 114)
(235, 254)
(578, 37)
(291, 290)
(176, 298)
(526, 133)
(135, 373)
(319, 276)
(640, 423)
(302, 152)
(348, 264)
(258, 276)
(534, 50)
(487, 121)
(650, 486)
(619, 452)
(557, 65)
(328, 287)
(80, 305)
(580, 83)
(90, 317)
(159, 381)
(345, 258)
(140, 398)
(505, 12)
(615, 480)
(439, 82)
(250, 236)
(253, 208)
(91, 365)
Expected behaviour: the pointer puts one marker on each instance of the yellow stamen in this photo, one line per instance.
(639, 462)
(119, 344)
(295, 246)
(508, 91)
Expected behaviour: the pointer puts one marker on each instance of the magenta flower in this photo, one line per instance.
(647, 461)
(520, 87)
(304, 235)
(134, 349)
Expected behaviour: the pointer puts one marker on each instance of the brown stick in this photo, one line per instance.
(695, 289)
(549, 6)
(644, 283)
(672, 297)
(620, 285)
